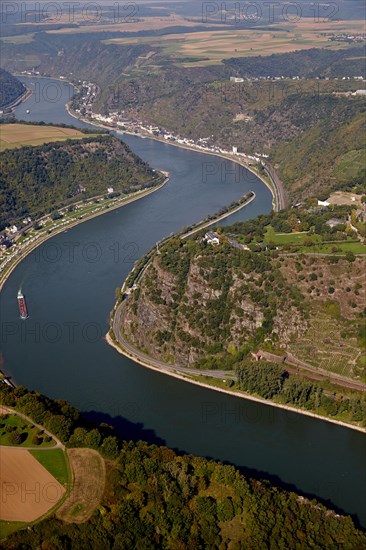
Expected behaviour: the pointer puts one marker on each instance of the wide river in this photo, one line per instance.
(70, 283)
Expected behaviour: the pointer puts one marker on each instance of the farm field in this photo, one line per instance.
(14, 430)
(55, 462)
(19, 135)
(28, 490)
(215, 45)
(88, 470)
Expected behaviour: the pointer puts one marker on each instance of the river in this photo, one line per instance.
(69, 284)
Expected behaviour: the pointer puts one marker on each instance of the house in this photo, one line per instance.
(13, 229)
(323, 203)
(234, 243)
(333, 222)
(211, 237)
(110, 190)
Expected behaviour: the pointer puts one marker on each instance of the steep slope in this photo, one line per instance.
(10, 88)
(35, 180)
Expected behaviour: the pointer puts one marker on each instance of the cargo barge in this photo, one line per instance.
(22, 306)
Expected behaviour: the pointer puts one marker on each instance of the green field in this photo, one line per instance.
(284, 238)
(296, 239)
(343, 247)
(55, 462)
(12, 423)
(9, 527)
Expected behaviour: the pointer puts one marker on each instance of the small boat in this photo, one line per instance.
(22, 306)
(27, 111)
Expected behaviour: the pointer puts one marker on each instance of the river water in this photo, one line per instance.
(69, 284)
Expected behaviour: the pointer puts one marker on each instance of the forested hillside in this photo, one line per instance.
(10, 88)
(155, 498)
(291, 293)
(312, 63)
(282, 118)
(36, 180)
(196, 300)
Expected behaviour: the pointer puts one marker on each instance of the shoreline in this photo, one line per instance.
(242, 395)
(203, 225)
(273, 190)
(43, 239)
(132, 199)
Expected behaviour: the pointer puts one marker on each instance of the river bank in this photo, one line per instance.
(230, 211)
(170, 371)
(32, 246)
(10, 108)
(272, 187)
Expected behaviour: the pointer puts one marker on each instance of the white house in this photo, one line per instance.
(211, 237)
(323, 203)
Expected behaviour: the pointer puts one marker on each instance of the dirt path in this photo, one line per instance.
(59, 445)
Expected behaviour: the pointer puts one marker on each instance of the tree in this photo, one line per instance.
(93, 439)
(350, 257)
(60, 426)
(109, 447)
(15, 438)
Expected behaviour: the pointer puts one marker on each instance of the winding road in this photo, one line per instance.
(145, 359)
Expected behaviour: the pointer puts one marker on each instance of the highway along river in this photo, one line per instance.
(70, 283)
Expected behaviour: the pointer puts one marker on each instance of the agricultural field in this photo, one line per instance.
(14, 430)
(19, 471)
(55, 462)
(19, 135)
(212, 46)
(88, 470)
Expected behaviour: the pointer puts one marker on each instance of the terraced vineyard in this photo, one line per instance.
(328, 345)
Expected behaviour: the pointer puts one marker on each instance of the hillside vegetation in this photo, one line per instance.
(212, 307)
(155, 498)
(286, 119)
(36, 180)
(196, 299)
(10, 88)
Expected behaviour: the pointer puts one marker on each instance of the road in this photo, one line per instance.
(313, 372)
(165, 367)
(58, 445)
(277, 185)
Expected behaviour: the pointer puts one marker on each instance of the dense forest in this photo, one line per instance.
(36, 180)
(10, 88)
(273, 381)
(155, 498)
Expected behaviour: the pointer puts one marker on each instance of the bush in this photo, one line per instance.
(15, 438)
